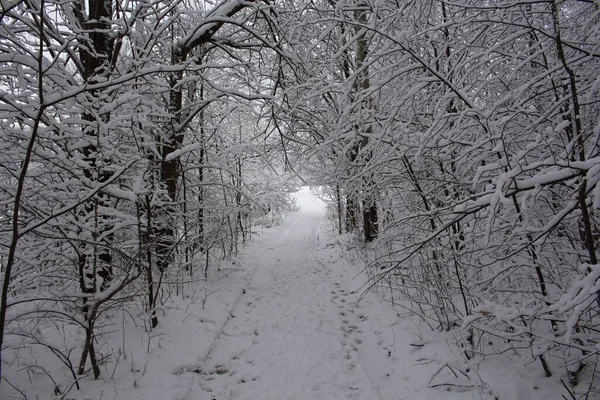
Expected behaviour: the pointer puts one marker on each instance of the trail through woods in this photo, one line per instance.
(281, 321)
(141, 142)
(297, 331)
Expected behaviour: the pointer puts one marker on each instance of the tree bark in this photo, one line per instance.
(369, 206)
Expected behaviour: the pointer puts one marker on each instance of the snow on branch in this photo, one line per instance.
(584, 291)
(213, 21)
(186, 149)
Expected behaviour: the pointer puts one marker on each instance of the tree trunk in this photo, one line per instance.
(338, 198)
(370, 221)
(350, 214)
(369, 206)
(96, 54)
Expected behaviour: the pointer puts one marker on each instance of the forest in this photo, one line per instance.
(456, 143)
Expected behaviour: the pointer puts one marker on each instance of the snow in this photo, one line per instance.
(310, 204)
(211, 22)
(179, 152)
(284, 321)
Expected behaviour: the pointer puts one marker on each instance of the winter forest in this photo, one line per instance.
(151, 154)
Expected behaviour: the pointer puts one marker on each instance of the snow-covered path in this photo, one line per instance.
(282, 321)
(296, 331)
(293, 333)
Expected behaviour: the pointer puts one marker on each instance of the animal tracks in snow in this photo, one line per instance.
(350, 338)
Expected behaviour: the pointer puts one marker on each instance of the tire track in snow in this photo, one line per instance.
(221, 331)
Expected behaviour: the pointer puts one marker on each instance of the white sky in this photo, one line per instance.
(308, 202)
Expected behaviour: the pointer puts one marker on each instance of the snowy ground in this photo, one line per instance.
(283, 322)
(297, 331)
